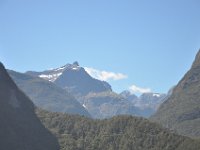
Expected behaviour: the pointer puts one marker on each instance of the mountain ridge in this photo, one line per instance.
(180, 111)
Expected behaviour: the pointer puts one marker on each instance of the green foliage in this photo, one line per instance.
(118, 133)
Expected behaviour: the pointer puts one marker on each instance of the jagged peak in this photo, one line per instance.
(53, 74)
(67, 66)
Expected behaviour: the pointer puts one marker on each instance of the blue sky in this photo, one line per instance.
(153, 43)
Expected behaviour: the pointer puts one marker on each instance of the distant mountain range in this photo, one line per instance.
(181, 111)
(94, 95)
(108, 104)
(147, 103)
(20, 129)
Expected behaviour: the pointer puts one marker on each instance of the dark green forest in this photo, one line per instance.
(76, 132)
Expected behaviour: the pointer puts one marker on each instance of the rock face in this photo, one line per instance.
(181, 110)
(20, 129)
(47, 95)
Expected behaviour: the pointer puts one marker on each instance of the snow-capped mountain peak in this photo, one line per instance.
(53, 74)
(73, 78)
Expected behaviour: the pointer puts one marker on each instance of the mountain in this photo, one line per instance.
(181, 111)
(117, 133)
(47, 95)
(95, 95)
(20, 128)
(108, 104)
(147, 103)
(152, 100)
(73, 78)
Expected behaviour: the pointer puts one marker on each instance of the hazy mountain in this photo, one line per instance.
(129, 96)
(47, 95)
(20, 129)
(181, 111)
(147, 103)
(152, 100)
(73, 78)
(117, 133)
(108, 104)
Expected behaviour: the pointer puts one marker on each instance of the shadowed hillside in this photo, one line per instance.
(181, 111)
(20, 129)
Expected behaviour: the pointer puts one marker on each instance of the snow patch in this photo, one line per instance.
(61, 68)
(75, 68)
(84, 106)
(50, 77)
(156, 95)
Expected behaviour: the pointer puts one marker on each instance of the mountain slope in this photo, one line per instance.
(20, 129)
(117, 133)
(73, 78)
(181, 111)
(47, 95)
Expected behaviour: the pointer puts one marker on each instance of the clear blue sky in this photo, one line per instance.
(153, 42)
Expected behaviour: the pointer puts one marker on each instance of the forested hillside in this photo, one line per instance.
(118, 133)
